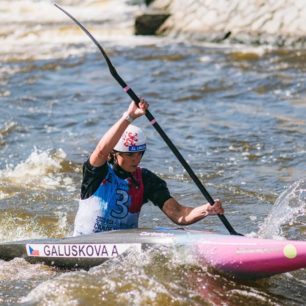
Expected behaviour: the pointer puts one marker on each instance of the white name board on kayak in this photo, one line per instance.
(79, 250)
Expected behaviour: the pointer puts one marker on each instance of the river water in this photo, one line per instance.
(236, 113)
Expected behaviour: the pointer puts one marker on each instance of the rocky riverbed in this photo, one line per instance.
(274, 22)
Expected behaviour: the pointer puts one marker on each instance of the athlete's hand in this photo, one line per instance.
(137, 111)
(214, 209)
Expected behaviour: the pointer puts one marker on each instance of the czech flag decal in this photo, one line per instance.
(33, 252)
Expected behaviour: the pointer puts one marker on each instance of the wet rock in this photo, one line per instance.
(148, 24)
(148, 2)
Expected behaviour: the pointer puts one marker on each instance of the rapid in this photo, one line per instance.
(236, 113)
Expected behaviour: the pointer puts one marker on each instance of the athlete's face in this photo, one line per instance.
(129, 161)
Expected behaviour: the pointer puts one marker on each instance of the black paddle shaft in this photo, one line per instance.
(153, 121)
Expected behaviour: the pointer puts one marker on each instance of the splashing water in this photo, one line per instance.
(35, 196)
(156, 276)
(134, 279)
(287, 210)
(39, 171)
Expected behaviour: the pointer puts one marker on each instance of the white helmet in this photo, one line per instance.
(132, 140)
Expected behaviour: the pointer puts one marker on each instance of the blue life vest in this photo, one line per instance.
(116, 204)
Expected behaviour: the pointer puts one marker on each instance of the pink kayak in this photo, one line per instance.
(251, 257)
(238, 256)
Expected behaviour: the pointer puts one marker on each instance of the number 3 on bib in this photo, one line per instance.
(120, 210)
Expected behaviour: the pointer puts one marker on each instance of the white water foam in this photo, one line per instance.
(134, 279)
(290, 205)
(41, 170)
(22, 225)
(19, 269)
(38, 30)
(14, 228)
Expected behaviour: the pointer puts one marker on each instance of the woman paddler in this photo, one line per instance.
(114, 187)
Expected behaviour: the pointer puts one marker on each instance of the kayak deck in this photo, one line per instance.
(238, 256)
(84, 251)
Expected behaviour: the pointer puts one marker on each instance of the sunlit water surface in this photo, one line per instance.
(236, 113)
